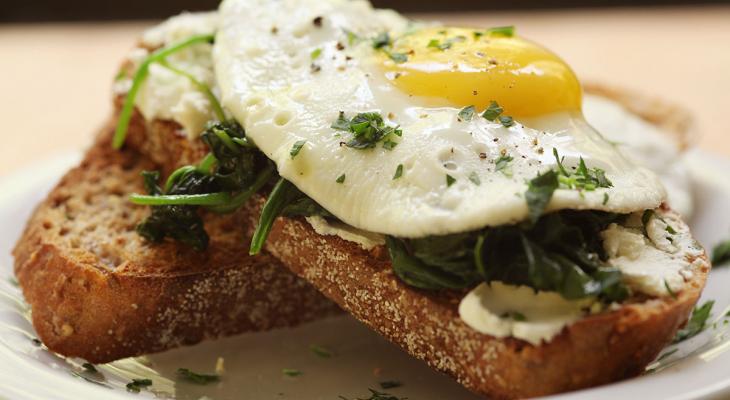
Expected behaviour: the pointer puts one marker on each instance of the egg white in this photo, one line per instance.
(263, 64)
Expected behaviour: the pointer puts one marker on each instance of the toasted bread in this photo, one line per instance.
(99, 292)
(596, 350)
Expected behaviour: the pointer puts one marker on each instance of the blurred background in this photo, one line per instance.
(58, 58)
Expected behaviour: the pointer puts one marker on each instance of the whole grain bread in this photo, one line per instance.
(99, 292)
(596, 350)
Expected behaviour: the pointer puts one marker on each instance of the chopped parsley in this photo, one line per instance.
(320, 351)
(493, 111)
(398, 172)
(697, 322)
(382, 40)
(351, 37)
(291, 372)
(474, 178)
(446, 44)
(340, 179)
(137, 384)
(502, 164)
(316, 53)
(297, 148)
(669, 290)
(721, 254)
(200, 379)
(368, 129)
(605, 199)
(506, 121)
(540, 189)
(398, 58)
(506, 31)
(466, 113)
(450, 180)
(583, 178)
(390, 384)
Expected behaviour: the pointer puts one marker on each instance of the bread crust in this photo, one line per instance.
(99, 292)
(595, 350)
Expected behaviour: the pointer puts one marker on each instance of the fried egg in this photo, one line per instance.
(288, 70)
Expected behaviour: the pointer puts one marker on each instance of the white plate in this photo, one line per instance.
(361, 359)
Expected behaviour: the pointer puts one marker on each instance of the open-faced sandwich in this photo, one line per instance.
(439, 183)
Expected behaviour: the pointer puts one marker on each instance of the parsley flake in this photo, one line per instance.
(474, 178)
(502, 165)
(450, 180)
(398, 172)
(493, 111)
(382, 40)
(315, 54)
(539, 192)
(368, 129)
(721, 253)
(506, 31)
(398, 58)
(297, 148)
(199, 379)
(390, 384)
(341, 179)
(466, 113)
(137, 384)
(320, 351)
(291, 372)
(506, 121)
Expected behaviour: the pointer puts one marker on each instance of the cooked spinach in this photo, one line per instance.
(285, 199)
(222, 182)
(561, 252)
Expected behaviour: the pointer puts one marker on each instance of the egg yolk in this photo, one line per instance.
(471, 67)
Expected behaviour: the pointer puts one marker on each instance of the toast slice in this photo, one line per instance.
(98, 292)
(596, 350)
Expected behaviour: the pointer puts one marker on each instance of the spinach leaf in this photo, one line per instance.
(561, 252)
(721, 254)
(285, 199)
(539, 192)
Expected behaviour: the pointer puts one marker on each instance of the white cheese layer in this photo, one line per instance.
(502, 310)
(657, 263)
(366, 240)
(268, 84)
(167, 95)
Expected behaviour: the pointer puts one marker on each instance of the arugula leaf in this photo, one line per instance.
(696, 323)
(200, 379)
(721, 254)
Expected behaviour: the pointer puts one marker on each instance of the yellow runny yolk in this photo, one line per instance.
(470, 67)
